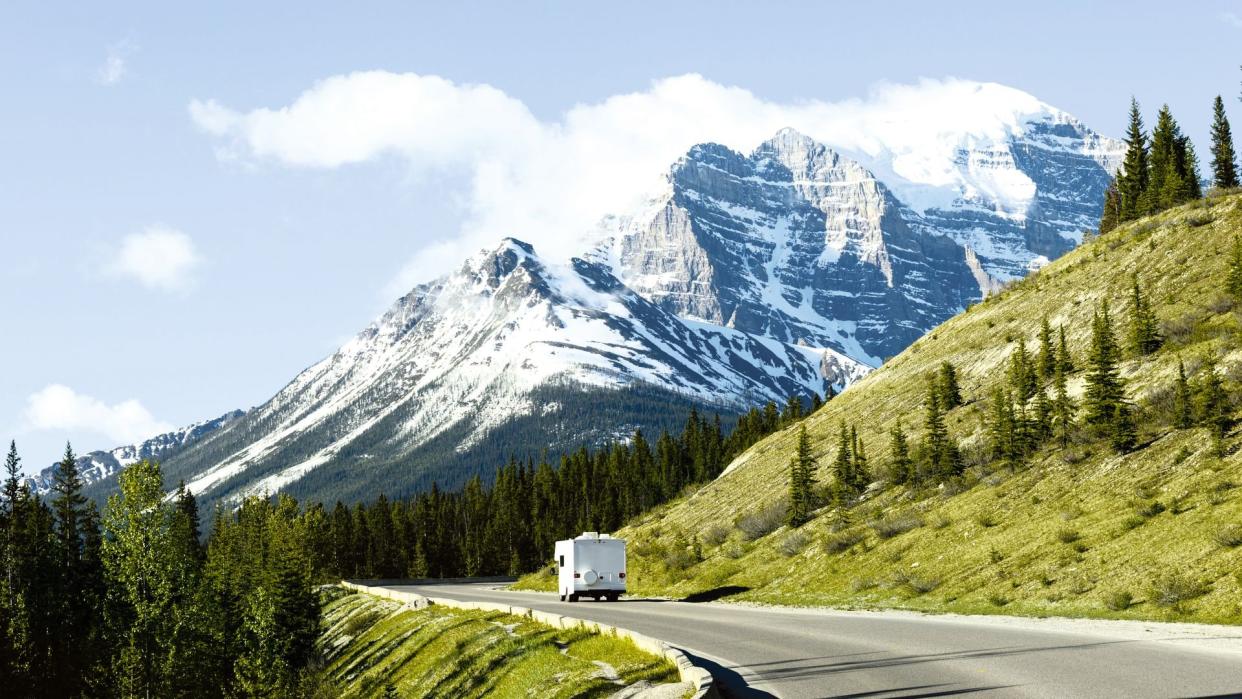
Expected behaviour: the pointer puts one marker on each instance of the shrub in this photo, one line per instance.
(1229, 535)
(1221, 303)
(922, 585)
(998, 600)
(1068, 536)
(1071, 513)
(764, 521)
(895, 525)
(1132, 522)
(678, 558)
(1148, 509)
(986, 519)
(939, 521)
(734, 551)
(793, 544)
(1119, 600)
(1173, 589)
(862, 584)
(715, 535)
(843, 542)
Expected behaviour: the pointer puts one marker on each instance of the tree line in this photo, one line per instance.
(509, 526)
(130, 603)
(1161, 170)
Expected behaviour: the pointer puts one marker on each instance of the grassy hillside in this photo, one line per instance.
(1082, 531)
(375, 646)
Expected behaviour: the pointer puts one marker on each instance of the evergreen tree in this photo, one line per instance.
(1233, 283)
(1132, 180)
(1161, 162)
(1110, 217)
(938, 450)
(950, 392)
(1183, 403)
(1046, 362)
(1002, 429)
(902, 467)
(843, 467)
(1124, 432)
(861, 474)
(1214, 411)
(1144, 330)
(1065, 361)
(1022, 373)
(79, 578)
(801, 481)
(1063, 407)
(1224, 159)
(1105, 390)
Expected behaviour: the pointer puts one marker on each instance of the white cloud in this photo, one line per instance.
(58, 407)
(158, 258)
(551, 182)
(1232, 18)
(113, 69)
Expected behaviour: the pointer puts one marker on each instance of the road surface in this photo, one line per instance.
(795, 653)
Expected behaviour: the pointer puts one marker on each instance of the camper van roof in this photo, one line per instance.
(594, 535)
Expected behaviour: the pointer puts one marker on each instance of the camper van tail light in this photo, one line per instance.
(577, 575)
(621, 575)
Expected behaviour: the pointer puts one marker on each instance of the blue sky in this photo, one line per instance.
(166, 259)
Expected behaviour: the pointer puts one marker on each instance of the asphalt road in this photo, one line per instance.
(820, 653)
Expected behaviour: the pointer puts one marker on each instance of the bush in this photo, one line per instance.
(1068, 536)
(939, 521)
(678, 559)
(715, 535)
(998, 600)
(1173, 589)
(862, 584)
(843, 542)
(793, 544)
(1148, 509)
(1133, 522)
(766, 520)
(1229, 535)
(1118, 601)
(1221, 303)
(986, 520)
(734, 551)
(1071, 513)
(895, 525)
(922, 585)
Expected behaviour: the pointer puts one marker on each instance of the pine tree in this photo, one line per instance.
(1065, 361)
(1183, 403)
(1233, 283)
(1124, 432)
(950, 392)
(1002, 428)
(1046, 362)
(1132, 180)
(79, 578)
(801, 481)
(1105, 390)
(1110, 217)
(1144, 330)
(1063, 408)
(843, 467)
(1161, 161)
(1022, 373)
(902, 467)
(1224, 159)
(860, 472)
(1214, 412)
(941, 455)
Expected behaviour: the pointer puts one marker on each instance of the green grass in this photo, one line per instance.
(371, 645)
(1072, 532)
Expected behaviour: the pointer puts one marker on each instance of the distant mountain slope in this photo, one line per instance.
(97, 466)
(466, 355)
(1073, 532)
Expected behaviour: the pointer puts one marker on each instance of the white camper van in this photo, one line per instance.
(592, 565)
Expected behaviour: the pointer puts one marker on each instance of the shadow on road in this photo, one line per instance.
(730, 683)
(715, 593)
(923, 691)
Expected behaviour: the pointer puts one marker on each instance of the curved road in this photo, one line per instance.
(792, 653)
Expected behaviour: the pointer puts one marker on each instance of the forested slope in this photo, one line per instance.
(1117, 496)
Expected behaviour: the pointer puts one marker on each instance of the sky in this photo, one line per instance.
(197, 202)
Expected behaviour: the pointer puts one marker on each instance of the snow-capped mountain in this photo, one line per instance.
(749, 277)
(96, 466)
(468, 353)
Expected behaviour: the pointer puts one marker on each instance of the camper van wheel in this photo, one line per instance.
(613, 597)
(562, 597)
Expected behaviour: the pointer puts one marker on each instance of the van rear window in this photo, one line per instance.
(562, 560)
